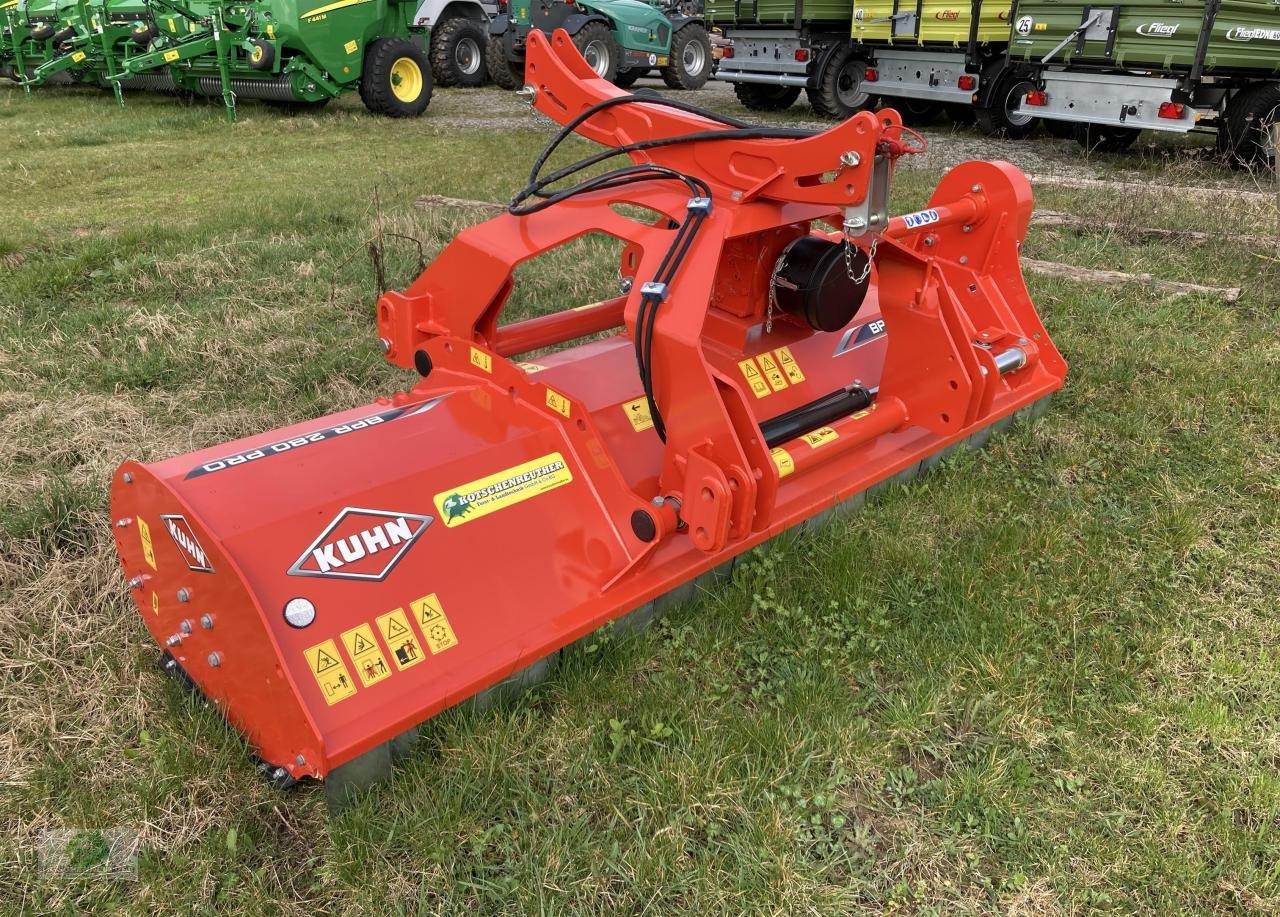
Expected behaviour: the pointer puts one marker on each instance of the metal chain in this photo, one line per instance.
(773, 291)
(848, 259)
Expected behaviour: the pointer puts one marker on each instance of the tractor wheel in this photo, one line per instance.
(759, 97)
(263, 54)
(397, 78)
(689, 61)
(504, 73)
(1063, 130)
(1105, 138)
(143, 33)
(458, 52)
(1000, 117)
(627, 78)
(596, 43)
(961, 115)
(916, 112)
(839, 93)
(1244, 136)
(42, 33)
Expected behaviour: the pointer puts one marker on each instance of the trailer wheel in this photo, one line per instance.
(42, 33)
(689, 62)
(838, 92)
(504, 73)
(263, 54)
(397, 78)
(759, 97)
(458, 52)
(1245, 134)
(627, 78)
(597, 45)
(916, 112)
(1105, 138)
(999, 116)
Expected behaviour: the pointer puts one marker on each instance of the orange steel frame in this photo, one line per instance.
(946, 286)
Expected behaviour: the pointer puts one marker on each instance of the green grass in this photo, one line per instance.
(1041, 680)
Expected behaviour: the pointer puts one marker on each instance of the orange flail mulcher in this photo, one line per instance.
(780, 346)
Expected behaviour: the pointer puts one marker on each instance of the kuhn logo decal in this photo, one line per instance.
(184, 537)
(1242, 34)
(361, 544)
(1158, 29)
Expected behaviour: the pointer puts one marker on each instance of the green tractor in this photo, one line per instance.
(621, 40)
(290, 52)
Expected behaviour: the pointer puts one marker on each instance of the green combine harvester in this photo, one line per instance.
(291, 52)
(1114, 71)
(622, 40)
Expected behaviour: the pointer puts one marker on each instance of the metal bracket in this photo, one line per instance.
(871, 214)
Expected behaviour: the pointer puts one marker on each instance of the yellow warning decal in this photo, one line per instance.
(531, 368)
(777, 381)
(820, 437)
(171, 56)
(371, 665)
(751, 373)
(271, 30)
(350, 47)
(789, 364)
(394, 627)
(172, 27)
(477, 499)
(330, 672)
(148, 549)
(782, 458)
(638, 413)
(558, 403)
(435, 626)
(481, 360)
(155, 604)
(78, 56)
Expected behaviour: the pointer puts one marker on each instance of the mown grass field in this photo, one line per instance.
(1041, 680)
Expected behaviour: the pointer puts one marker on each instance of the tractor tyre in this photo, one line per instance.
(597, 45)
(838, 93)
(916, 112)
(689, 61)
(1105, 138)
(627, 78)
(999, 116)
(760, 97)
(1063, 130)
(42, 33)
(1244, 136)
(504, 73)
(458, 52)
(263, 54)
(143, 34)
(397, 78)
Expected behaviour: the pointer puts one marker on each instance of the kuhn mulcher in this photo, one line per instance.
(781, 346)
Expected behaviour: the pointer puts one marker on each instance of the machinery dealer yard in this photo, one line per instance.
(1040, 679)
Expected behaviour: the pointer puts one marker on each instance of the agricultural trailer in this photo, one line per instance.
(922, 58)
(622, 40)
(779, 347)
(1113, 71)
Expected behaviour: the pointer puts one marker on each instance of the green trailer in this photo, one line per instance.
(1114, 71)
(923, 58)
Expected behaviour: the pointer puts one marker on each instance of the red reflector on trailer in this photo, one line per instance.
(1038, 98)
(802, 54)
(967, 82)
(1171, 110)
(728, 52)
(870, 75)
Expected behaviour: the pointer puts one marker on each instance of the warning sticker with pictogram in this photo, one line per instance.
(435, 626)
(330, 672)
(782, 458)
(820, 437)
(638, 413)
(371, 665)
(789, 364)
(777, 381)
(148, 549)
(401, 640)
(751, 373)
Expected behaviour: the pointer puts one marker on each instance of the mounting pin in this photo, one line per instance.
(850, 158)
